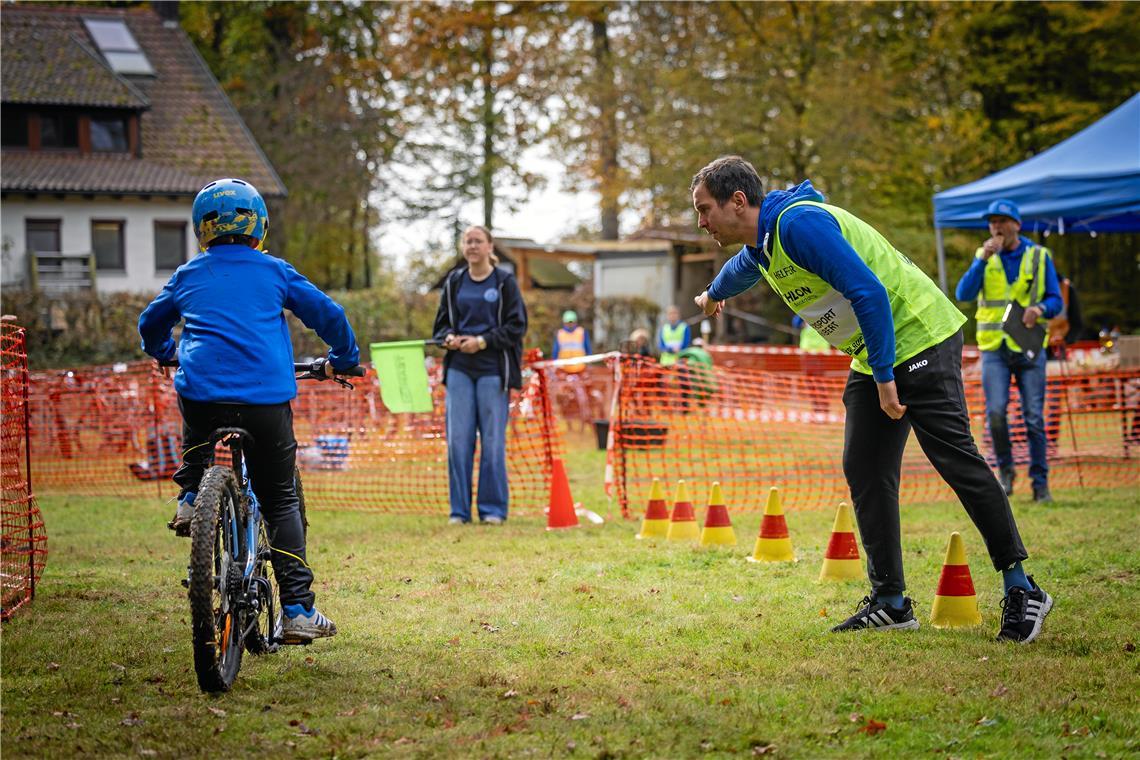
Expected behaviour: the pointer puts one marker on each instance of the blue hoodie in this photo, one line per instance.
(812, 239)
(235, 345)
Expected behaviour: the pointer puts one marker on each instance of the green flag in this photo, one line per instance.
(403, 376)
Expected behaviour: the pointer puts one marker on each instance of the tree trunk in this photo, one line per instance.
(608, 184)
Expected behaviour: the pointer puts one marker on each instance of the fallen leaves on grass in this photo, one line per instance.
(132, 719)
(763, 749)
(509, 693)
(488, 627)
(579, 716)
(453, 642)
(53, 666)
(217, 712)
(1000, 691)
(583, 589)
(873, 727)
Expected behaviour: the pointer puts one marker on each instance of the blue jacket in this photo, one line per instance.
(812, 239)
(971, 283)
(235, 345)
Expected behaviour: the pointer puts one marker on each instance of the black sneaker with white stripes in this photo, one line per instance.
(879, 616)
(1023, 613)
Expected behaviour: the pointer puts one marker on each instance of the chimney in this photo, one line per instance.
(167, 10)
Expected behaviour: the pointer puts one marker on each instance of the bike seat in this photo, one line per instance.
(226, 432)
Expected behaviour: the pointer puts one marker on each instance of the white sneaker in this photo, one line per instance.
(456, 521)
(183, 516)
(493, 520)
(300, 626)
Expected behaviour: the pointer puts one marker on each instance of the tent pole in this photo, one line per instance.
(941, 258)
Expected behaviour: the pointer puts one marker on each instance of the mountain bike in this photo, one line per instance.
(230, 583)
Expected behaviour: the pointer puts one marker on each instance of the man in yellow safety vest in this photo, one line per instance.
(905, 342)
(673, 337)
(1007, 268)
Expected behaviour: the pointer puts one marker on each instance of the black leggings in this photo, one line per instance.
(270, 462)
(930, 385)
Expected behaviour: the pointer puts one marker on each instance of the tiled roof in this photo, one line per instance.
(191, 133)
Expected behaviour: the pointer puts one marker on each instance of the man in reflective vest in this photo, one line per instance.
(1009, 267)
(905, 341)
(571, 341)
(674, 337)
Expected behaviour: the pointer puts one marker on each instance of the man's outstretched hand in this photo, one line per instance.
(710, 307)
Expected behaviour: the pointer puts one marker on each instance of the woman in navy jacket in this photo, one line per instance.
(481, 322)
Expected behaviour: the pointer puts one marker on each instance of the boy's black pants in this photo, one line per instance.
(930, 385)
(270, 462)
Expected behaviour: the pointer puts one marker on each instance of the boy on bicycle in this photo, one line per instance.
(236, 370)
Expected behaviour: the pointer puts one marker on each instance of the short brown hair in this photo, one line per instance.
(726, 175)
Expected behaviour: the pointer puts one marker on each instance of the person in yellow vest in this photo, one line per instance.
(1011, 267)
(904, 338)
(571, 341)
(673, 337)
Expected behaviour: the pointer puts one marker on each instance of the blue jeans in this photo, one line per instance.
(477, 405)
(998, 367)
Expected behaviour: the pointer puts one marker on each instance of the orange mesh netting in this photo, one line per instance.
(23, 540)
(782, 426)
(116, 430)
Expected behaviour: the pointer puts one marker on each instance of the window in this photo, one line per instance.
(118, 46)
(169, 245)
(107, 242)
(15, 127)
(42, 235)
(59, 130)
(109, 134)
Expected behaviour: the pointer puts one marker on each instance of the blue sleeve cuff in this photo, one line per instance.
(883, 374)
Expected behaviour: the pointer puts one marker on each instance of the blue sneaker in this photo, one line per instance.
(184, 515)
(300, 625)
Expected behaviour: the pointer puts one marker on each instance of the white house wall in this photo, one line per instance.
(75, 215)
(641, 276)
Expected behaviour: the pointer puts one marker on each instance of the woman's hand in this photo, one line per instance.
(468, 344)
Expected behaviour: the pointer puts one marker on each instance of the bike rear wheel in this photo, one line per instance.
(217, 556)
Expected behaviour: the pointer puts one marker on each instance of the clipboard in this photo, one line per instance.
(1031, 339)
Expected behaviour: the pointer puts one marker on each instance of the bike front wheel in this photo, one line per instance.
(217, 555)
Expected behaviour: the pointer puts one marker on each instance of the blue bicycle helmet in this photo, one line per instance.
(229, 207)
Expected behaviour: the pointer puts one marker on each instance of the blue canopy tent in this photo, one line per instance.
(1087, 183)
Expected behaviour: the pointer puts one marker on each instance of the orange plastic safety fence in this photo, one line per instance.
(752, 429)
(116, 430)
(23, 539)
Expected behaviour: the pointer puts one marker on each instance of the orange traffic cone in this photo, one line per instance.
(841, 560)
(955, 604)
(683, 521)
(718, 527)
(773, 543)
(561, 513)
(656, 522)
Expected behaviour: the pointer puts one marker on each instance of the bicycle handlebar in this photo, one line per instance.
(306, 370)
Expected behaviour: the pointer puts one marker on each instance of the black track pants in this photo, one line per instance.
(270, 463)
(930, 385)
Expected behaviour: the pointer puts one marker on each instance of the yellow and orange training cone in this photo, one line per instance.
(561, 513)
(841, 560)
(955, 603)
(656, 522)
(718, 527)
(683, 521)
(773, 544)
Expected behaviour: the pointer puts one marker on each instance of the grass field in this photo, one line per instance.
(512, 642)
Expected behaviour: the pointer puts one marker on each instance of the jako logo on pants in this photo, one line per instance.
(918, 365)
